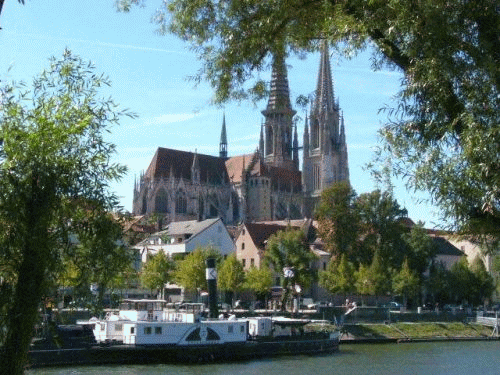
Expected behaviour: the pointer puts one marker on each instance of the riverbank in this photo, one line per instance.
(408, 332)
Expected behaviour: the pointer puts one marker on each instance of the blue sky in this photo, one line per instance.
(148, 74)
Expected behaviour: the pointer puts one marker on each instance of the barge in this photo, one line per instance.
(152, 331)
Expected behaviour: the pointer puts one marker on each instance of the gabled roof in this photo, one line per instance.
(182, 228)
(189, 227)
(260, 233)
(165, 160)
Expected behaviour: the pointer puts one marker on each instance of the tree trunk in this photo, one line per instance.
(30, 286)
(25, 312)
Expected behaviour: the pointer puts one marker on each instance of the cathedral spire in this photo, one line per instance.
(278, 130)
(325, 99)
(223, 139)
(279, 96)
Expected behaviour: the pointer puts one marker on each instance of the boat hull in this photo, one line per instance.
(149, 354)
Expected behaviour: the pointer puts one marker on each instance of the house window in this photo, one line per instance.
(242, 246)
(244, 261)
(118, 327)
(132, 330)
(252, 262)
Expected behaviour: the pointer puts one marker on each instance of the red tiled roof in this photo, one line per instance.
(260, 233)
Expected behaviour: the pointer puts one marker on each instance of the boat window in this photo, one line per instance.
(230, 329)
(157, 330)
(242, 329)
(103, 326)
(194, 336)
(132, 330)
(212, 335)
(147, 330)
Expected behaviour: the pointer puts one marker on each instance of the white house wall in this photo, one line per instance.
(216, 235)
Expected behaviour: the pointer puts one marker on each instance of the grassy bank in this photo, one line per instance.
(415, 331)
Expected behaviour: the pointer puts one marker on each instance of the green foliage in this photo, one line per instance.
(373, 280)
(443, 135)
(338, 221)
(438, 283)
(289, 249)
(463, 282)
(98, 257)
(381, 228)
(421, 248)
(338, 276)
(190, 272)
(259, 280)
(230, 276)
(406, 282)
(55, 171)
(484, 285)
(156, 271)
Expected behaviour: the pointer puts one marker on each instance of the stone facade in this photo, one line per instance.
(266, 185)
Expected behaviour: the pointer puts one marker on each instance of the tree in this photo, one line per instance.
(438, 283)
(190, 273)
(463, 282)
(259, 280)
(97, 257)
(54, 165)
(288, 253)
(373, 280)
(157, 271)
(406, 282)
(421, 249)
(338, 276)
(484, 285)
(338, 222)
(381, 228)
(444, 132)
(230, 277)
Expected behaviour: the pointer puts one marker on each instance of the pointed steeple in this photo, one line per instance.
(279, 96)
(325, 99)
(278, 118)
(223, 139)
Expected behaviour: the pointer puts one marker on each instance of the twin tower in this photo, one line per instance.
(266, 185)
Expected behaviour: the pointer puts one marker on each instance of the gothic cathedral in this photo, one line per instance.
(266, 185)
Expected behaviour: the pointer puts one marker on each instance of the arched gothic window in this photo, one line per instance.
(181, 203)
(161, 201)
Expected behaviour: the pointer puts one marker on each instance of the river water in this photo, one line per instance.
(450, 358)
